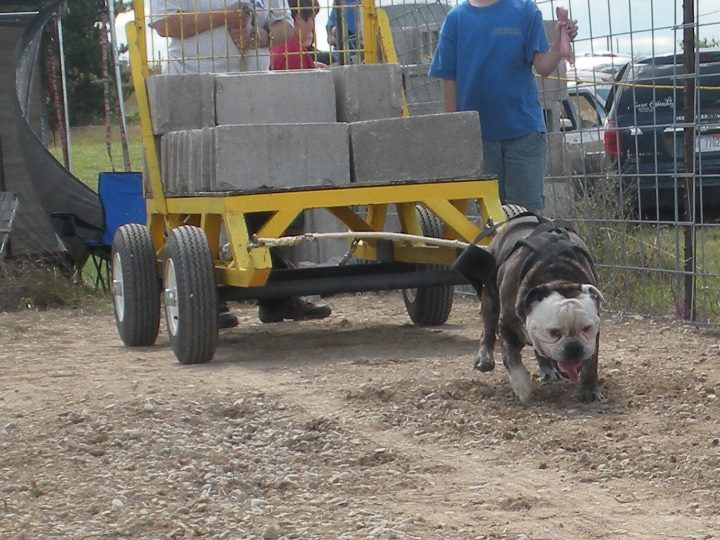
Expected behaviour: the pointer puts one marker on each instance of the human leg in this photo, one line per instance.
(524, 171)
(493, 163)
(286, 308)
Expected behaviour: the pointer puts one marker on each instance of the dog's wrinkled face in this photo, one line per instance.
(563, 325)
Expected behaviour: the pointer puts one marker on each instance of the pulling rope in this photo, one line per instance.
(284, 241)
(511, 211)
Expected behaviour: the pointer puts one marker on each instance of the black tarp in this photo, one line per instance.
(43, 184)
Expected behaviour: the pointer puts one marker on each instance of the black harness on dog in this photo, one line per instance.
(551, 239)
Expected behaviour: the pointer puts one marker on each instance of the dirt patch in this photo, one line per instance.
(358, 426)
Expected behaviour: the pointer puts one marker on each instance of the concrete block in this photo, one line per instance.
(249, 157)
(165, 164)
(430, 147)
(188, 161)
(180, 102)
(421, 89)
(419, 109)
(207, 167)
(278, 97)
(368, 91)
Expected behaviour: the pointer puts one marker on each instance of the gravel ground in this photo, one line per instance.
(358, 426)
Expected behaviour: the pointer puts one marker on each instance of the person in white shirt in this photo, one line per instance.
(219, 36)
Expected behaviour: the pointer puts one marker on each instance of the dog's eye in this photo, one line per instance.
(555, 333)
(587, 329)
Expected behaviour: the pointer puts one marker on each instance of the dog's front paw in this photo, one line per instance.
(484, 361)
(589, 395)
(521, 383)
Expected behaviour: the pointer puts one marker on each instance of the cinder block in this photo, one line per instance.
(180, 102)
(207, 168)
(188, 161)
(249, 157)
(165, 163)
(424, 93)
(368, 91)
(279, 97)
(430, 147)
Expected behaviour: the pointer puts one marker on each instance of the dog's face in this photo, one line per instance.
(562, 322)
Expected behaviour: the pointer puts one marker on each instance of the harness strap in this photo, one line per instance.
(550, 239)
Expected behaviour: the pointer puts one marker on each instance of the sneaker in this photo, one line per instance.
(294, 309)
(226, 319)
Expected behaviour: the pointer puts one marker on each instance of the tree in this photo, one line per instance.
(83, 24)
(708, 42)
(703, 43)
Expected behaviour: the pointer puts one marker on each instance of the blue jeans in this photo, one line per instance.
(519, 165)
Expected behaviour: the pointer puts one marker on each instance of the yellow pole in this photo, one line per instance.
(370, 32)
(137, 48)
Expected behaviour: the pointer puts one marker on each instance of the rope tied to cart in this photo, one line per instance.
(286, 241)
(511, 211)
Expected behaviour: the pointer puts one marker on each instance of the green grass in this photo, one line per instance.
(90, 152)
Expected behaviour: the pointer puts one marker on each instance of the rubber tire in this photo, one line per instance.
(429, 306)
(192, 321)
(135, 287)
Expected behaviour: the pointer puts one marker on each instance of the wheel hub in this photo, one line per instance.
(117, 289)
(171, 298)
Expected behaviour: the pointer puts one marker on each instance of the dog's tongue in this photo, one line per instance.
(571, 371)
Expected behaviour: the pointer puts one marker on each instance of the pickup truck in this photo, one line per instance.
(580, 135)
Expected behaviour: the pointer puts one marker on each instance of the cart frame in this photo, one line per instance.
(402, 263)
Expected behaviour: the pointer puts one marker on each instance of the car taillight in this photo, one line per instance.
(612, 139)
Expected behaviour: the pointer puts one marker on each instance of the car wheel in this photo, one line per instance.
(135, 289)
(429, 306)
(191, 309)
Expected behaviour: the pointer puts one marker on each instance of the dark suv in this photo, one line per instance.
(645, 130)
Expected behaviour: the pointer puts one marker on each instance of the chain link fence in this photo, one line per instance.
(634, 142)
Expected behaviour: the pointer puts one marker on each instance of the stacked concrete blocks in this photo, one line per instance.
(368, 91)
(281, 156)
(428, 147)
(188, 161)
(424, 93)
(179, 102)
(280, 97)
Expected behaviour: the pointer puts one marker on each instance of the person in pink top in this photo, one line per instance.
(297, 52)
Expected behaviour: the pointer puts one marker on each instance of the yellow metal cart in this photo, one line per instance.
(174, 262)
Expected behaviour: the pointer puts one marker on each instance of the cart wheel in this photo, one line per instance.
(135, 288)
(191, 309)
(429, 306)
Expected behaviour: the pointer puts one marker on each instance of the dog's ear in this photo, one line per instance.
(535, 295)
(594, 293)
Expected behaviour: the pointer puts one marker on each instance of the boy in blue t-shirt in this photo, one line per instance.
(485, 56)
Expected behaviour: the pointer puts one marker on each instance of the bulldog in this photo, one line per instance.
(539, 288)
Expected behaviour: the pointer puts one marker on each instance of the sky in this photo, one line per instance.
(597, 21)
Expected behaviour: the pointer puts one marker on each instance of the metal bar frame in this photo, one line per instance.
(359, 207)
